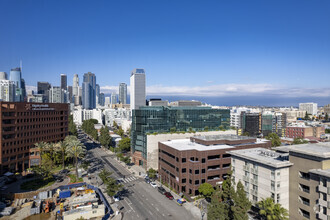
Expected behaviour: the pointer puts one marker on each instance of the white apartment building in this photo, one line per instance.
(117, 115)
(80, 115)
(138, 88)
(310, 108)
(264, 173)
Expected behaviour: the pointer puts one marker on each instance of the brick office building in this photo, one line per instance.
(24, 124)
(187, 163)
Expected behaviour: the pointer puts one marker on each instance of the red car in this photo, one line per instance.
(168, 195)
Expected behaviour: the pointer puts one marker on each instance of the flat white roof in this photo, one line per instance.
(186, 144)
(321, 150)
(263, 156)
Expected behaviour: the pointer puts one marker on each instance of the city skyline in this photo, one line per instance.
(219, 49)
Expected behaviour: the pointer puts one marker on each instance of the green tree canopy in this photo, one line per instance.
(299, 141)
(125, 144)
(306, 116)
(152, 173)
(112, 187)
(326, 117)
(272, 211)
(105, 138)
(72, 127)
(206, 189)
(275, 139)
(75, 149)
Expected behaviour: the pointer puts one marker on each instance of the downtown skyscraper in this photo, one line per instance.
(138, 88)
(16, 77)
(64, 81)
(123, 93)
(89, 91)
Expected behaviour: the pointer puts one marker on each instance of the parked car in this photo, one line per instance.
(161, 190)
(64, 171)
(147, 179)
(169, 195)
(153, 184)
(116, 198)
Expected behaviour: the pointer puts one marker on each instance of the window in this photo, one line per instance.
(247, 173)
(272, 174)
(278, 185)
(177, 159)
(233, 161)
(273, 196)
(304, 188)
(203, 180)
(190, 171)
(184, 180)
(196, 171)
(278, 198)
(196, 182)
(184, 170)
(246, 184)
(203, 160)
(177, 169)
(278, 173)
(324, 182)
(303, 200)
(255, 187)
(304, 175)
(190, 181)
(272, 185)
(225, 155)
(184, 160)
(203, 170)
(255, 199)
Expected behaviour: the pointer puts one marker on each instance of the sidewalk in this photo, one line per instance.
(187, 205)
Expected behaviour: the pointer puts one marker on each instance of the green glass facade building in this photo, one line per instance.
(158, 119)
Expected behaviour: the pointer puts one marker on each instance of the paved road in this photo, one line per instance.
(140, 200)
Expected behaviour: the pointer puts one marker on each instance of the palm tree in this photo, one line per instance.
(42, 146)
(272, 211)
(75, 149)
(61, 146)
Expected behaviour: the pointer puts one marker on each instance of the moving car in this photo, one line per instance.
(161, 190)
(153, 184)
(169, 195)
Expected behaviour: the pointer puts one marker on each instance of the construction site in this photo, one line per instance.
(69, 202)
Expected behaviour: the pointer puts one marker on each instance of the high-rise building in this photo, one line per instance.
(3, 76)
(107, 101)
(89, 91)
(64, 81)
(23, 90)
(310, 108)
(123, 93)
(56, 95)
(75, 85)
(97, 91)
(70, 95)
(43, 89)
(16, 76)
(164, 119)
(101, 99)
(327, 109)
(137, 88)
(7, 90)
(113, 99)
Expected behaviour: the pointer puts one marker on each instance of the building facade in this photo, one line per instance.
(306, 186)
(137, 88)
(25, 124)
(310, 108)
(264, 173)
(89, 91)
(123, 93)
(43, 88)
(304, 131)
(185, 164)
(64, 81)
(7, 90)
(158, 119)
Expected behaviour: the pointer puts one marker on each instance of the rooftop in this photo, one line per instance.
(230, 137)
(186, 144)
(321, 172)
(263, 156)
(321, 150)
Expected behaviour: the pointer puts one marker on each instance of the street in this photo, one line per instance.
(139, 200)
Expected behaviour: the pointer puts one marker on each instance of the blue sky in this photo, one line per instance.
(202, 48)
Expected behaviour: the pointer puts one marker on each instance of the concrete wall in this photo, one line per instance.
(152, 143)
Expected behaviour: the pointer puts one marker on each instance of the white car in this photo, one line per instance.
(153, 184)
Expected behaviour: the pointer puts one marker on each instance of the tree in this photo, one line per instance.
(299, 141)
(326, 117)
(120, 132)
(152, 173)
(206, 189)
(111, 184)
(306, 116)
(206, 128)
(242, 203)
(61, 146)
(72, 127)
(271, 211)
(246, 134)
(105, 138)
(217, 210)
(274, 138)
(173, 129)
(42, 147)
(327, 131)
(75, 150)
(125, 144)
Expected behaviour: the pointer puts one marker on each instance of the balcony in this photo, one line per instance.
(254, 192)
(323, 203)
(323, 216)
(322, 189)
(254, 181)
(254, 170)
(246, 178)
(246, 168)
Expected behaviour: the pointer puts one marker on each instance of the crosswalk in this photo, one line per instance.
(127, 179)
